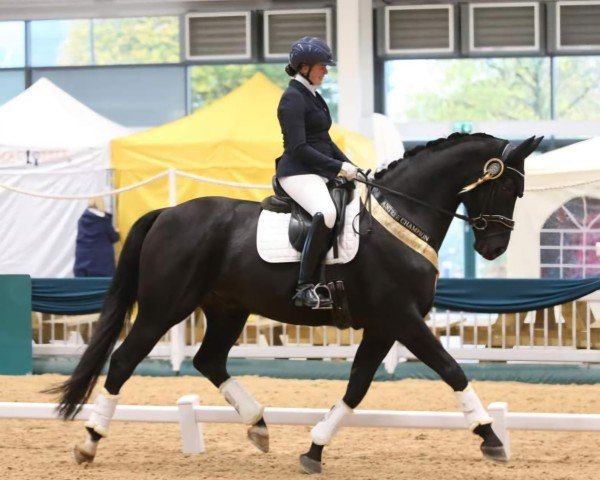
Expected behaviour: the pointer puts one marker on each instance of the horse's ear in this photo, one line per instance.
(522, 151)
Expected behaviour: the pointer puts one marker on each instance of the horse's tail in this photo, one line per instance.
(120, 297)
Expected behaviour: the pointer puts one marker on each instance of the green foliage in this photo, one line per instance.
(210, 82)
(136, 40)
(124, 40)
(76, 50)
(156, 40)
(486, 89)
(500, 89)
(578, 89)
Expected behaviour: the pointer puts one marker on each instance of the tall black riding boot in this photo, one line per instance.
(313, 253)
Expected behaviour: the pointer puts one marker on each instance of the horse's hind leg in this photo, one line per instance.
(369, 356)
(148, 328)
(426, 347)
(224, 326)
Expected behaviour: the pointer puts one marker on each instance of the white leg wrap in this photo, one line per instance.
(249, 409)
(104, 409)
(323, 432)
(472, 408)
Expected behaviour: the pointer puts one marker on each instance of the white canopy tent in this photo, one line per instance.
(388, 143)
(552, 179)
(52, 144)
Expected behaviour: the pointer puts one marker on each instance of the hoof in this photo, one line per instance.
(308, 465)
(82, 456)
(259, 436)
(495, 454)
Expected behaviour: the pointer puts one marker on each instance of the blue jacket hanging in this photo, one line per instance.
(94, 252)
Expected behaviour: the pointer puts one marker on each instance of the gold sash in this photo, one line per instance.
(398, 231)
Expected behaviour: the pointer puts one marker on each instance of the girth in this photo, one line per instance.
(300, 220)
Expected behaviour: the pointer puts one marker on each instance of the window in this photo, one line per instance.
(577, 88)
(119, 94)
(110, 41)
(210, 82)
(451, 254)
(568, 240)
(468, 89)
(12, 44)
(60, 43)
(136, 40)
(13, 83)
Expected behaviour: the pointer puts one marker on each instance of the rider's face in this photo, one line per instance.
(317, 73)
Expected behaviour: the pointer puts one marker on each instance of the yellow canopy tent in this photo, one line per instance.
(234, 139)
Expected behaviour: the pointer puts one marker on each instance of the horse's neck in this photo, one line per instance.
(435, 178)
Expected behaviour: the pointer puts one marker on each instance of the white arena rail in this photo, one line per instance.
(190, 416)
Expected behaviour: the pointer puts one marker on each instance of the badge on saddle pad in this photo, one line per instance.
(273, 243)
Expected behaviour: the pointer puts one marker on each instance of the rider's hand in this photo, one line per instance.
(348, 171)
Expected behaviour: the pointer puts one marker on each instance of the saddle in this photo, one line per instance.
(300, 221)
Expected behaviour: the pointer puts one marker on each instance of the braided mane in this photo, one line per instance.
(441, 142)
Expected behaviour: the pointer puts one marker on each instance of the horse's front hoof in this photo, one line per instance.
(81, 455)
(259, 436)
(495, 454)
(308, 465)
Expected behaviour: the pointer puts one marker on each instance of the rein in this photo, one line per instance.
(370, 185)
(493, 169)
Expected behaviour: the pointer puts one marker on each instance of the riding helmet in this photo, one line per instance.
(310, 50)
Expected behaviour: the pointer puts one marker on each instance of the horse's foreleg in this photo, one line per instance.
(369, 356)
(426, 347)
(223, 329)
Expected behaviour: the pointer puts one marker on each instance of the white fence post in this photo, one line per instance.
(177, 353)
(390, 362)
(192, 437)
(498, 411)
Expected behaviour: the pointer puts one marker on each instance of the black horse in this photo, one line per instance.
(203, 253)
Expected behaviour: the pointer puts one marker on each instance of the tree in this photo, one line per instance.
(578, 93)
(210, 82)
(123, 40)
(485, 89)
(156, 40)
(502, 89)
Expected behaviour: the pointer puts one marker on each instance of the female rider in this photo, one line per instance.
(310, 158)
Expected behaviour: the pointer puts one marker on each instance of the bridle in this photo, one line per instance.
(492, 170)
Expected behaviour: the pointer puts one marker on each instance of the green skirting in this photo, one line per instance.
(318, 369)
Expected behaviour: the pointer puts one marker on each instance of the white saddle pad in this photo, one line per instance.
(274, 246)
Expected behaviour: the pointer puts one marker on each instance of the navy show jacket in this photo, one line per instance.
(305, 121)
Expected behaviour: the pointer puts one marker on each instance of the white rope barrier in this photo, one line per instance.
(221, 182)
(87, 195)
(133, 187)
(576, 184)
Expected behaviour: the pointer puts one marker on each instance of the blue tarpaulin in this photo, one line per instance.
(85, 295)
(69, 296)
(501, 295)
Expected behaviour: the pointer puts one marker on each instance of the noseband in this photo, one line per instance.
(492, 170)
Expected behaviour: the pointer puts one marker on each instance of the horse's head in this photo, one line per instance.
(490, 198)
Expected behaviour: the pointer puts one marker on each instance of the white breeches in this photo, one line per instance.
(310, 192)
(471, 406)
(248, 408)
